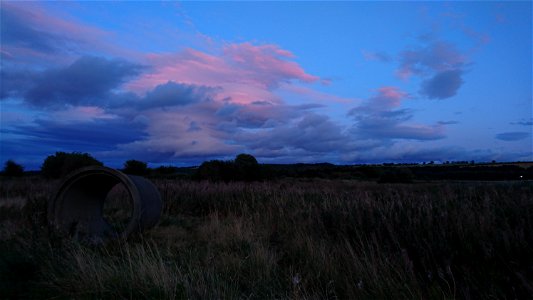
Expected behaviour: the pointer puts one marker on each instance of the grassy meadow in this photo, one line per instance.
(282, 239)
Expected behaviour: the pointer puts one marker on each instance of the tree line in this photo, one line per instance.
(246, 168)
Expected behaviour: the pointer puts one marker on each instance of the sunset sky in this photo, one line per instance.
(342, 82)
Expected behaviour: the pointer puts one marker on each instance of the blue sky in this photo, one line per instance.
(343, 82)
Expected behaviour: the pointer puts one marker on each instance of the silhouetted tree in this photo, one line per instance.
(245, 160)
(11, 168)
(244, 167)
(216, 170)
(61, 163)
(247, 168)
(136, 167)
(164, 171)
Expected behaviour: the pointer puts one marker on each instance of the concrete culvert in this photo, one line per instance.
(77, 210)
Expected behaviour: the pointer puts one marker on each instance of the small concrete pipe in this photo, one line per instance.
(77, 208)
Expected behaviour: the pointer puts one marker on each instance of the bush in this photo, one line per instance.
(165, 171)
(136, 167)
(11, 168)
(60, 164)
(244, 167)
(247, 168)
(217, 170)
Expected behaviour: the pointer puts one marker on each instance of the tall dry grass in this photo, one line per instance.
(298, 239)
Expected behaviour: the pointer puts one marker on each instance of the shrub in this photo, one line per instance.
(244, 167)
(11, 168)
(247, 168)
(216, 170)
(136, 167)
(165, 171)
(61, 163)
(245, 160)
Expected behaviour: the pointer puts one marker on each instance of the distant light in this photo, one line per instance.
(521, 176)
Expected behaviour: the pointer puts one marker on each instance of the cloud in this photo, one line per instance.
(172, 94)
(245, 72)
(443, 85)
(88, 80)
(439, 64)
(381, 128)
(448, 122)
(376, 56)
(513, 136)
(380, 119)
(91, 134)
(179, 132)
(523, 122)
(266, 64)
(17, 31)
(386, 98)
(189, 104)
(435, 56)
(14, 82)
(28, 31)
(312, 133)
(208, 128)
(215, 106)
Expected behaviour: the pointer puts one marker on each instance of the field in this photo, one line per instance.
(290, 238)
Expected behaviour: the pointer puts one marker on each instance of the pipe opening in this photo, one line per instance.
(98, 203)
(118, 208)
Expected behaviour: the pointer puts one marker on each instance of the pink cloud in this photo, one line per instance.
(39, 19)
(387, 97)
(245, 72)
(52, 38)
(266, 64)
(81, 114)
(392, 92)
(317, 96)
(169, 133)
(5, 54)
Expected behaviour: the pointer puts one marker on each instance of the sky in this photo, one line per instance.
(179, 83)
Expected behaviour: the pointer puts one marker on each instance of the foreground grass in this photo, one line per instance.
(314, 239)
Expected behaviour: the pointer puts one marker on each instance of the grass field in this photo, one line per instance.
(298, 239)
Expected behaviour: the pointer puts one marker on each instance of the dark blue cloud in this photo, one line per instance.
(523, 122)
(513, 136)
(438, 63)
(260, 102)
(443, 85)
(14, 83)
(176, 94)
(89, 80)
(30, 144)
(448, 122)
(374, 128)
(15, 31)
(94, 135)
(312, 134)
(193, 126)
(377, 120)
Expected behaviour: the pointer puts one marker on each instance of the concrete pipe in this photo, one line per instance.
(77, 209)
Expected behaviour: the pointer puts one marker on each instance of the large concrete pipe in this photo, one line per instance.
(77, 208)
